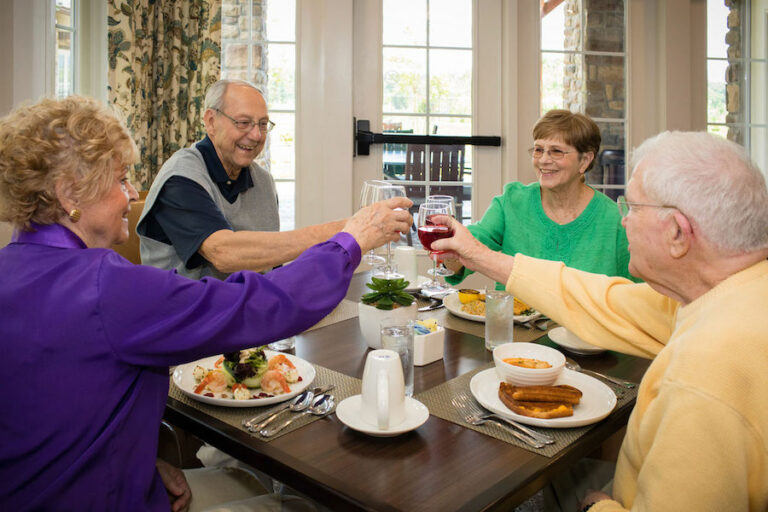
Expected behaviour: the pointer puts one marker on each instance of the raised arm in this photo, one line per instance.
(230, 251)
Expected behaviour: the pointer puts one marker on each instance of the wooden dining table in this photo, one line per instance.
(439, 466)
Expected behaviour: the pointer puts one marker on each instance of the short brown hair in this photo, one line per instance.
(573, 128)
(78, 140)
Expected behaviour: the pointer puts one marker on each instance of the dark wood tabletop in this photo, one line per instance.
(440, 466)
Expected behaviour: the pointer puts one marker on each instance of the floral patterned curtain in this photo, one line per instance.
(163, 55)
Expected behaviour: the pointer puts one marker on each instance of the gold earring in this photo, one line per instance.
(74, 215)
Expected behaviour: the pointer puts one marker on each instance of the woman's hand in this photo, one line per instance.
(175, 485)
(382, 222)
(471, 253)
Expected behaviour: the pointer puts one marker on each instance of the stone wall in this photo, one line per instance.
(734, 73)
(594, 84)
(244, 36)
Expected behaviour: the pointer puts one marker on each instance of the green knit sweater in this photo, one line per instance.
(516, 223)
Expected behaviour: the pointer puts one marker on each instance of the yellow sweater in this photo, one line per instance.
(697, 438)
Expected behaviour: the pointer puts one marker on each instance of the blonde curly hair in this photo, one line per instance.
(77, 141)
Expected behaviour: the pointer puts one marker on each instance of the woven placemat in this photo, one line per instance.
(438, 401)
(345, 387)
(344, 311)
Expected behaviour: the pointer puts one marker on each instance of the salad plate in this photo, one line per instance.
(597, 401)
(453, 305)
(184, 379)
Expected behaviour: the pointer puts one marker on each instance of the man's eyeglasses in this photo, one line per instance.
(554, 154)
(625, 206)
(265, 125)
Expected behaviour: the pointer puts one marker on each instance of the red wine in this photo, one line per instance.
(430, 233)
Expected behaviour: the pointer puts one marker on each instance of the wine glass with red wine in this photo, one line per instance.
(429, 232)
(442, 270)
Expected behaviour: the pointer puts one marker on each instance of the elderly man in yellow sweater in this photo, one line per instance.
(696, 215)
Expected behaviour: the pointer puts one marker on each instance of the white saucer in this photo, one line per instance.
(573, 343)
(348, 411)
(415, 287)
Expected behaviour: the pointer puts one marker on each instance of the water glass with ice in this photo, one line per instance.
(283, 345)
(499, 319)
(397, 335)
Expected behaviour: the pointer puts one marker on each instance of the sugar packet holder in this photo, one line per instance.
(428, 348)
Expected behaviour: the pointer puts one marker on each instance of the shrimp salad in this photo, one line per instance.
(246, 375)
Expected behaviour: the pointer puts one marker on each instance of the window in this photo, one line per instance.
(583, 70)
(259, 45)
(737, 74)
(65, 40)
(427, 66)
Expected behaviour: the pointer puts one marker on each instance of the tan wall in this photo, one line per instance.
(6, 57)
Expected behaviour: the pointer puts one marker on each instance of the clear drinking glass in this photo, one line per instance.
(499, 319)
(283, 345)
(366, 199)
(428, 233)
(397, 335)
(383, 191)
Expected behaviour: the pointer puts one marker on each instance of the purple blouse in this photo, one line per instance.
(87, 338)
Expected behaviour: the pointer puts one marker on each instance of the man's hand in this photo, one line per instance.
(175, 485)
(382, 222)
(594, 497)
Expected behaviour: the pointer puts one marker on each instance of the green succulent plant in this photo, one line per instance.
(387, 294)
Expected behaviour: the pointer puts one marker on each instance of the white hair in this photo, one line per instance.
(712, 181)
(214, 97)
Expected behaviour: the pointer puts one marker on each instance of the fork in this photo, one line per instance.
(476, 416)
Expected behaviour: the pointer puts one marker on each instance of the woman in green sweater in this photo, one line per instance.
(560, 217)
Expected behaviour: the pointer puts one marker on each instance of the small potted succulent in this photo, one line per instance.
(387, 299)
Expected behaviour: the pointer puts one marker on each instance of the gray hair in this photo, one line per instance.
(712, 181)
(214, 97)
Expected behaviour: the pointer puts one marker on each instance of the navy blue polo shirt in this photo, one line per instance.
(184, 215)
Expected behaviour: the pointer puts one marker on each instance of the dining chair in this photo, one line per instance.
(446, 164)
(130, 249)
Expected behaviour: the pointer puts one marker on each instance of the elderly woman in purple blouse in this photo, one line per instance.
(87, 337)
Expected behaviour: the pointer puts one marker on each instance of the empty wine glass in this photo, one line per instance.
(442, 270)
(428, 233)
(367, 195)
(382, 192)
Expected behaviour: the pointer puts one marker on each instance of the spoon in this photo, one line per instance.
(573, 365)
(260, 421)
(322, 406)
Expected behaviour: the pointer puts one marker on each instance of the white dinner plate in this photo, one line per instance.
(348, 412)
(185, 381)
(573, 343)
(597, 401)
(453, 305)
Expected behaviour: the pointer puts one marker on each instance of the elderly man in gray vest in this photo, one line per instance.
(212, 210)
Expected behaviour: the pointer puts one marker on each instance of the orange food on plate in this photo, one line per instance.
(526, 362)
(521, 308)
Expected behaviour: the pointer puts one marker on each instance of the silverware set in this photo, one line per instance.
(475, 415)
(315, 401)
(573, 365)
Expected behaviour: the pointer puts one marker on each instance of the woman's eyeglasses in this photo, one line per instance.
(554, 154)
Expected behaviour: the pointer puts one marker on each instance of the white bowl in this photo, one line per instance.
(520, 376)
